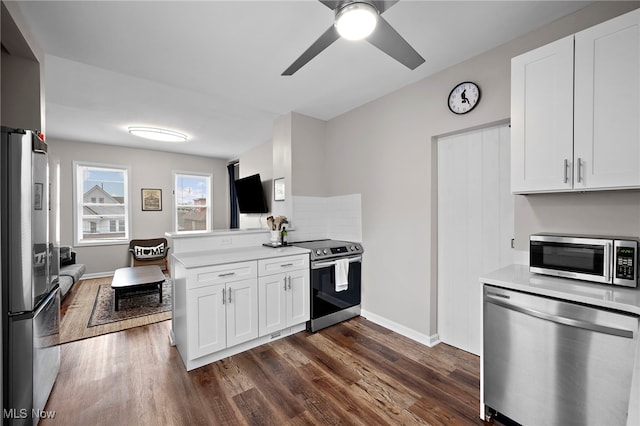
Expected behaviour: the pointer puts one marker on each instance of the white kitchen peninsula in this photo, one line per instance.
(219, 307)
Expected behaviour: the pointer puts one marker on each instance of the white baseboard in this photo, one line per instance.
(424, 339)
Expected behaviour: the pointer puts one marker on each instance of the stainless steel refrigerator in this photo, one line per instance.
(30, 293)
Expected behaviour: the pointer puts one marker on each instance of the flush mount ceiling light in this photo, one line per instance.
(156, 134)
(356, 20)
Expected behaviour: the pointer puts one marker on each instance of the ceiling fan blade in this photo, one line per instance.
(385, 38)
(318, 46)
(384, 5)
(331, 4)
(380, 5)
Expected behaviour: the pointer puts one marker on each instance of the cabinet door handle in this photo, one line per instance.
(224, 295)
(229, 295)
(566, 173)
(289, 283)
(579, 169)
(285, 283)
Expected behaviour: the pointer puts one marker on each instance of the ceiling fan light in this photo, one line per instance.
(356, 21)
(156, 134)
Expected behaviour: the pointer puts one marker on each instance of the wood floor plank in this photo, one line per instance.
(354, 373)
(256, 365)
(343, 398)
(255, 409)
(319, 357)
(384, 384)
(290, 353)
(415, 376)
(404, 345)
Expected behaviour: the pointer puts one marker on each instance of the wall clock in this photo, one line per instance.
(464, 97)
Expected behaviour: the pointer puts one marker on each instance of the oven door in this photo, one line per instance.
(580, 258)
(325, 300)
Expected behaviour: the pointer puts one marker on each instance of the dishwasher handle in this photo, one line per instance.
(560, 319)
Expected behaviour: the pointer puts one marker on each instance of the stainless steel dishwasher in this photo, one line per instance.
(553, 362)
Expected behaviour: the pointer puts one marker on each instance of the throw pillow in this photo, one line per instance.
(156, 252)
(65, 256)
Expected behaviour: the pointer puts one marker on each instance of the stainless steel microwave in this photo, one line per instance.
(598, 259)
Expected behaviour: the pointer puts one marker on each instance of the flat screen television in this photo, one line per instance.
(250, 195)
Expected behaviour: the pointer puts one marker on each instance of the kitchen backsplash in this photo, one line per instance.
(338, 218)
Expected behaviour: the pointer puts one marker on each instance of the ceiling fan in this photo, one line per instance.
(380, 33)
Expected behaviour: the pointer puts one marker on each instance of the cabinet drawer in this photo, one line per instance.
(277, 265)
(221, 274)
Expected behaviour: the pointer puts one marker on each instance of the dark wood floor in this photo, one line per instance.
(352, 373)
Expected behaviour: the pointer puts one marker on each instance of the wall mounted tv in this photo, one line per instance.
(250, 195)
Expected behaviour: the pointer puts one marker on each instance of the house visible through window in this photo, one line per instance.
(192, 202)
(101, 204)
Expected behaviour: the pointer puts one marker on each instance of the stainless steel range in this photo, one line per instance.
(336, 269)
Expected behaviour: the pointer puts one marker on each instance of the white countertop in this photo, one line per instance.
(197, 259)
(518, 277)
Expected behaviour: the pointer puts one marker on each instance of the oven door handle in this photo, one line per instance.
(332, 263)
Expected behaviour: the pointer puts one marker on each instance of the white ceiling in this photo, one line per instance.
(211, 69)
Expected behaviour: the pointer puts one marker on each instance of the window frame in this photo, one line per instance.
(78, 197)
(209, 205)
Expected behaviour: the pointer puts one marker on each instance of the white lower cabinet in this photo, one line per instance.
(224, 309)
(242, 311)
(207, 334)
(284, 300)
(225, 314)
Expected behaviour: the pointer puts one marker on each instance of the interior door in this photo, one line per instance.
(475, 227)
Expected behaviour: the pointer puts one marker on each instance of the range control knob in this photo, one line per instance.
(324, 251)
(318, 252)
(357, 247)
(353, 248)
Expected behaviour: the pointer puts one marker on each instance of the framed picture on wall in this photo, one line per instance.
(278, 189)
(151, 199)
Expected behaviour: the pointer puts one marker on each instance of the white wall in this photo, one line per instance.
(149, 169)
(258, 160)
(282, 162)
(385, 151)
(307, 156)
(614, 213)
(22, 88)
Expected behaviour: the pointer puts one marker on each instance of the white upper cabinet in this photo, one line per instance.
(542, 118)
(607, 106)
(575, 111)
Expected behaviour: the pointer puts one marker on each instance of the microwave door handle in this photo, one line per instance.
(608, 262)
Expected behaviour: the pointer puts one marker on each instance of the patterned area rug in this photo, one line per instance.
(133, 305)
(90, 310)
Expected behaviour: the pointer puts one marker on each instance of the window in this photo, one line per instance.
(101, 204)
(192, 202)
